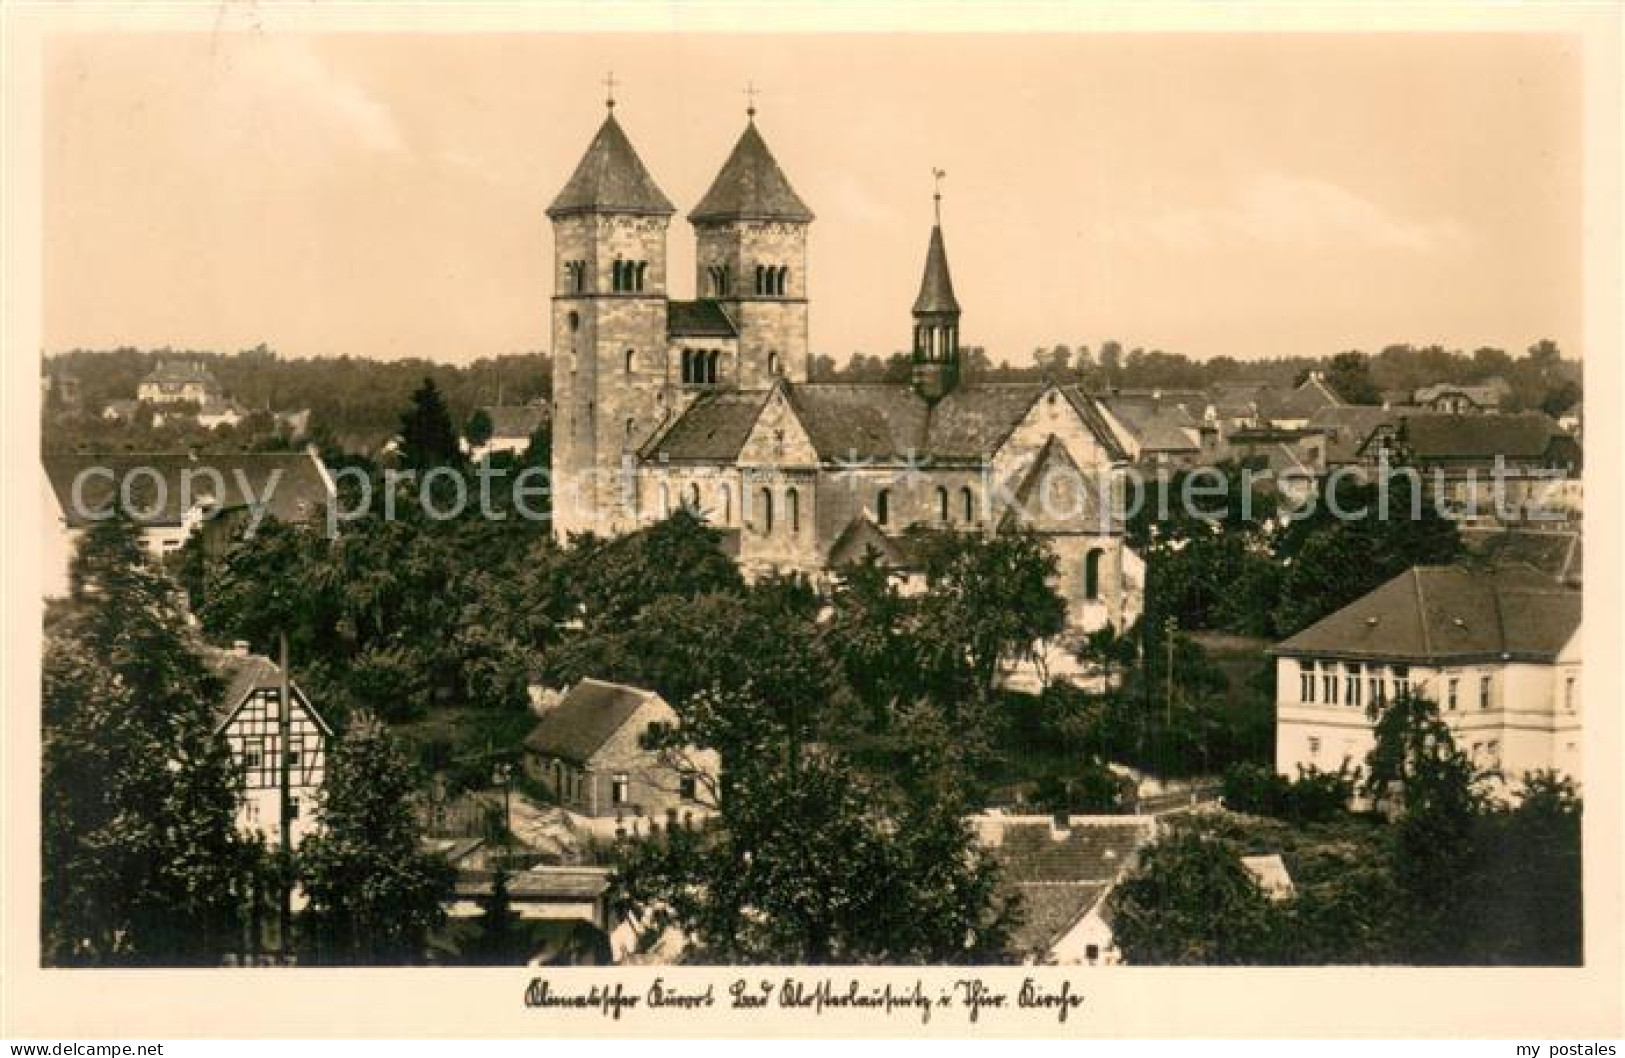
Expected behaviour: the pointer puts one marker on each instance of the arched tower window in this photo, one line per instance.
(792, 504)
(968, 499)
(761, 279)
(883, 506)
(617, 275)
(766, 499)
(942, 504)
(688, 366)
(1091, 574)
(637, 279)
(711, 366)
(781, 280)
(630, 356)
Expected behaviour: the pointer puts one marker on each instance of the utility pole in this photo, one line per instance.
(1169, 627)
(284, 726)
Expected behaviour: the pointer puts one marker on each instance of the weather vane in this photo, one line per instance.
(609, 88)
(750, 99)
(936, 195)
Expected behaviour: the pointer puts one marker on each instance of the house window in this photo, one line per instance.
(1351, 685)
(1379, 687)
(253, 755)
(1091, 952)
(883, 506)
(1328, 684)
(942, 504)
(688, 366)
(688, 787)
(727, 504)
(1306, 681)
(1402, 681)
(1483, 692)
(1568, 694)
(293, 808)
(1314, 745)
(1493, 751)
(792, 503)
(620, 787)
(968, 499)
(296, 752)
(1452, 693)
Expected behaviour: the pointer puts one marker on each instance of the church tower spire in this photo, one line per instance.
(609, 326)
(751, 257)
(936, 315)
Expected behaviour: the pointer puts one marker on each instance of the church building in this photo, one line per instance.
(706, 403)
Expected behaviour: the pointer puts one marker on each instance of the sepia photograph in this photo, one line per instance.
(917, 525)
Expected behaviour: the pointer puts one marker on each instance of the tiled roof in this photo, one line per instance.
(713, 429)
(1091, 849)
(1346, 427)
(611, 178)
(178, 371)
(244, 674)
(936, 284)
(1477, 435)
(698, 319)
(1557, 554)
(873, 421)
(751, 186)
(1449, 613)
(567, 884)
(1486, 394)
(1158, 424)
(1049, 910)
(300, 488)
(585, 718)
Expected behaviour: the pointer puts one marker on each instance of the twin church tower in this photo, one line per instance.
(630, 360)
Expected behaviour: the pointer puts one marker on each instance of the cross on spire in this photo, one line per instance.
(750, 99)
(936, 195)
(609, 89)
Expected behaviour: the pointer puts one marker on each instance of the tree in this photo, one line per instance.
(1415, 764)
(677, 556)
(374, 894)
(1349, 376)
(142, 863)
(1329, 559)
(428, 438)
(868, 634)
(499, 939)
(477, 430)
(986, 599)
(1190, 902)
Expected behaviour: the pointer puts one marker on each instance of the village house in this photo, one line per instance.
(1459, 398)
(1458, 456)
(1062, 869)
(180, 382)
(512, 426)
(1498, 649)
(170, 496)
(249, 721)
(587, 749)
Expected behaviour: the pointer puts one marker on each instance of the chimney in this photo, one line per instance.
(239, 647)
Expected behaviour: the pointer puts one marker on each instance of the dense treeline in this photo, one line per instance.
(1539, 378)
(345, 395)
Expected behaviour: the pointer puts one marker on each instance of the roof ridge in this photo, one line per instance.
(1422, 610)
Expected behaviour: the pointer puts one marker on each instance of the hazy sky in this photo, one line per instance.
(383, 195)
